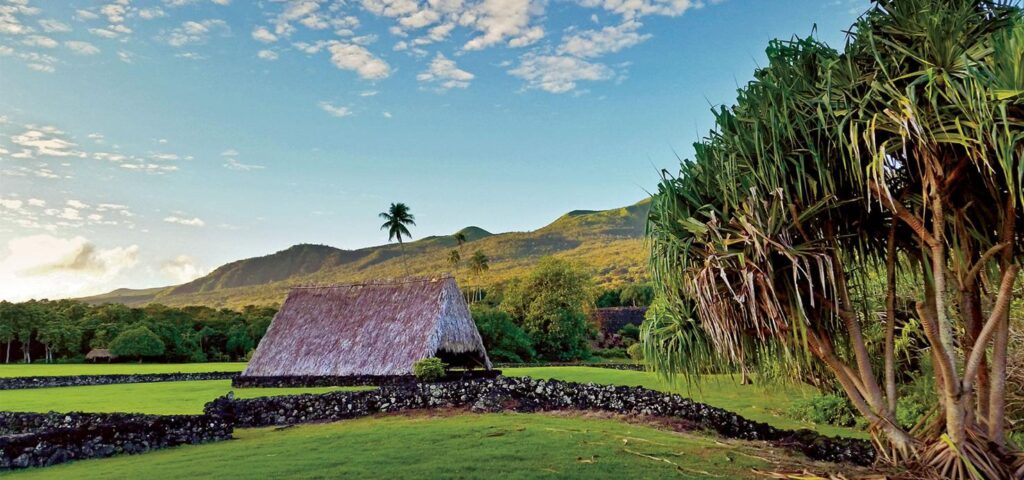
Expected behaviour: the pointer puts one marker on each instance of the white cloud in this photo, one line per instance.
(54, 26)
(497, 20)
(261, 34)
(82, 48)
(335, 110)
(630, 9)
(267, 54)
(45, 266)
(151, 13)
(232, 162)
(595, 43)
(76, 204)
(444, 72)
(181, 269)
(347, 56)
(386, 114)
(46, 141)
(192, 32)
(40, 41)
(190, 222)
(558, 73)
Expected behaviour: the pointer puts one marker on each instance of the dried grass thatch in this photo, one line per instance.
(374, 328)
(100, 354)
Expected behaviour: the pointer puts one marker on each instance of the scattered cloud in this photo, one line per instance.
(233, 163)
(181, 269)
(82, 48)
(558, 73)
(262, 34)
(349, 56)
(445, 73)
(595, 43)
(267, 54)
(335, 110)
(192, 32)
(189, 222)
(50, 25)
(47, 266)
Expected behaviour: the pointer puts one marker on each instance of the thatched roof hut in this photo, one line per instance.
(100, 354)
(373, 328)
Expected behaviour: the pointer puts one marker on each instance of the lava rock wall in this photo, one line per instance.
(36, 440)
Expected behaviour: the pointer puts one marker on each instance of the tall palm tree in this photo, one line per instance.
(478, 264)
(396, 222)
(454, 258)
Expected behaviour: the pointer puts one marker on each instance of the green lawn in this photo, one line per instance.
(164, 398)
(755, 402)
(53, 370)
(763, 404)
(463, 446)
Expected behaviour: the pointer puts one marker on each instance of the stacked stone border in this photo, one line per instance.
(16, 383)
(531, 395)
(613, 366)
(300, 381)
(33, 440)
(37, 440)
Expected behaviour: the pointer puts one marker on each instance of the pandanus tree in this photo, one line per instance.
(397, 220)
(900, 154)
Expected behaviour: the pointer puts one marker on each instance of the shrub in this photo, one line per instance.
(827, 408)
(137, 342)
(610, 353)
(505, 341)
(630, 331)
(430, 369)
(636, 352)
(550, 304)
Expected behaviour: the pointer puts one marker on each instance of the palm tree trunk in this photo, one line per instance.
(405, 260)
(890, 320)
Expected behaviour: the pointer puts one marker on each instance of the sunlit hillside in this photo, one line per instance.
(608, 241)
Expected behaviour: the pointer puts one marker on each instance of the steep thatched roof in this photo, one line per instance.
(99, 353)
(375, 328)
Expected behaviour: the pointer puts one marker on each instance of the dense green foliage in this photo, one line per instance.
(505, 341)
(551, 304)
(139, 342)
(507, 446)
(65, 330)
(430, 369)
(901, 154)
(829, 408)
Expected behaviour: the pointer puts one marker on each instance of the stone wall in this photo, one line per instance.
(530, 395)
(15, 383)
(293, 381)
(35, 440)
(614, 366)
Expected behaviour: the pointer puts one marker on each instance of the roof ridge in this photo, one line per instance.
(378, 282)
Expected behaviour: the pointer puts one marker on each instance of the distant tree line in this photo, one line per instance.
(66, 330)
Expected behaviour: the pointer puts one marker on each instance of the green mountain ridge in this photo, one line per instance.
(609, 241)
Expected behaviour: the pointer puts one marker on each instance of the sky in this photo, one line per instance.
(144, 143)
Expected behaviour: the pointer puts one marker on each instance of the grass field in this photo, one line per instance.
(758, 403)
(54, 370)
(763, 404)
(162, 398)
(464, 446)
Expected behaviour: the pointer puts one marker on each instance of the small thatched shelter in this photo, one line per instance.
(373, 328)
(98, 354)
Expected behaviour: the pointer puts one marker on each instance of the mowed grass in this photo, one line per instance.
(162, 398)
(768, 404)
(503, 446)
(56, 370)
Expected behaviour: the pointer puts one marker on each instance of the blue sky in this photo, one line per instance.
(145, 143)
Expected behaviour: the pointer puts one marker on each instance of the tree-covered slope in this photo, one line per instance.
(609, 241)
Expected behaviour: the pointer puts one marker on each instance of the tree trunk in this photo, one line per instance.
(405, 259)
(7, 358)
(890, 320)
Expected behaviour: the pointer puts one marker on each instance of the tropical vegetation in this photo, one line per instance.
(894, 162)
